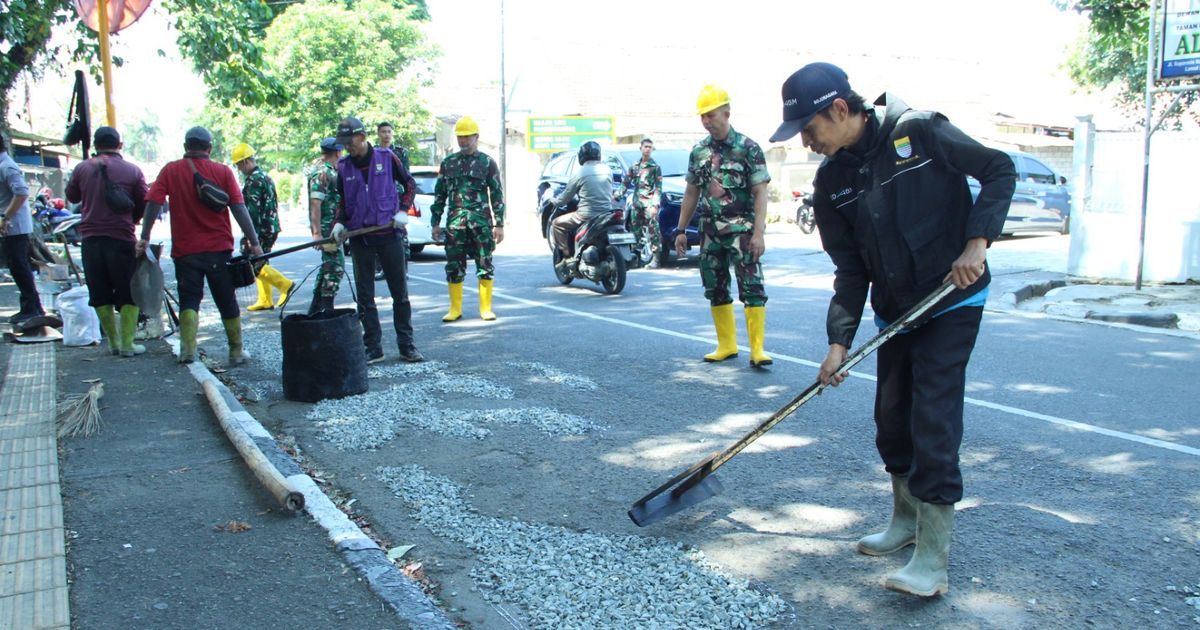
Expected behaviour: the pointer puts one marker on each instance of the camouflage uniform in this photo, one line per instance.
(467, 182)
(322, 185)
(263, 206)
(646, 181)
(725, 171)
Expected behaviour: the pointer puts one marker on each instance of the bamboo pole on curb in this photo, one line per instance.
(283, 492)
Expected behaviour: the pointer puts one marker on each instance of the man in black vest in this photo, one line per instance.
(897, 218)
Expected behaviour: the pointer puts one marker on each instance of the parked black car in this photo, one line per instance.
(1041, 201)
(619, 158)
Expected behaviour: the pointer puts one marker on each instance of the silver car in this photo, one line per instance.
(420, 233)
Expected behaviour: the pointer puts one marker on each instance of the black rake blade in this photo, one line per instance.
(656, 508)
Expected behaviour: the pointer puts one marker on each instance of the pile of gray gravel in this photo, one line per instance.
(567, 579)
(368, 421)
(554, 375)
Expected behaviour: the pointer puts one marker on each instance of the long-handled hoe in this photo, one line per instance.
(697, 483)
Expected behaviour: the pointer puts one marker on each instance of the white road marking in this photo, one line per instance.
(1033, 415)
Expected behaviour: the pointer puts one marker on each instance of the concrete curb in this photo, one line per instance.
(397, 590)
(1162, 322)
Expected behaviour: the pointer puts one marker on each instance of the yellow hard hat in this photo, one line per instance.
(466, 126)
(241, 152)
(711, 97)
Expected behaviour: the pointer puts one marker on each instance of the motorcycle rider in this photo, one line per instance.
(593, 185)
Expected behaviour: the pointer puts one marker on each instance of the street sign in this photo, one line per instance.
(566, 133)
(1180, 56)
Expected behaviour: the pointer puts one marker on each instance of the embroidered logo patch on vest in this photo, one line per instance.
(903, 147)
(379, 167)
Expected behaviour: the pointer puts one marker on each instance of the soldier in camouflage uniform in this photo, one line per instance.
(263, 206)
(645, 178)
(322, 209)
(727, 177)
(469, 183)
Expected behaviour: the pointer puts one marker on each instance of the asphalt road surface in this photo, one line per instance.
(511, 461)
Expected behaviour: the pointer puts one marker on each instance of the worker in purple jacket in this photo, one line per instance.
(367, 178)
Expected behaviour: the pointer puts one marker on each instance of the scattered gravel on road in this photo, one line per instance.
(556, 376)
(569, 579)
(265, 347)
(406, 369)
(368, 421)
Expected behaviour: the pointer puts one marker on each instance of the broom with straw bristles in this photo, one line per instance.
(79, 414)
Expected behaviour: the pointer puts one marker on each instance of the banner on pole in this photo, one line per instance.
(1180, 56)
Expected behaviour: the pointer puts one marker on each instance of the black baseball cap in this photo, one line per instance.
(806, 93)
(348, 128)
(331, 144)
(106, 136)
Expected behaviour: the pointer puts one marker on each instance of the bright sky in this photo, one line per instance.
(937, 54)
(966, 58)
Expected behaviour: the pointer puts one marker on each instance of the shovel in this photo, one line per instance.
(697, 483)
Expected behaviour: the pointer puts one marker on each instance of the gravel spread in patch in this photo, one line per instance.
(265, 347)
(368, 421)
(553, 375)
(406, 369)
(567, 579)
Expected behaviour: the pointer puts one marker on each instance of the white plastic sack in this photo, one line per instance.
(81, 327)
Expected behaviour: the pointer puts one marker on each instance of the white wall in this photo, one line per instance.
(1105, 222)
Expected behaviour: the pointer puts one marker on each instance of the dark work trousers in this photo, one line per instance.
(919, 403)
(389, 251)
(563, 229)
(190, 273)
(16, 254)
(108, 265)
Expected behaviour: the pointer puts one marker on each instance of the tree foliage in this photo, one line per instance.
(26, 44)
(336, 61)
(1112, 54)
(141, 135)
(222, 38)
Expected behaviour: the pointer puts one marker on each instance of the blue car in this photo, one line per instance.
(1041, 201)
(619, 158)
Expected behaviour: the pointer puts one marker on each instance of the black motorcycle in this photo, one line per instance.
(804, 213)
(603, 249)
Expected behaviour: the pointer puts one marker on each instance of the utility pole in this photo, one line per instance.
(503, 109)
(106, 63)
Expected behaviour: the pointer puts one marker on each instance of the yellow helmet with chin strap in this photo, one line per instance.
(711, 97)
(466, 126)
(241, 152)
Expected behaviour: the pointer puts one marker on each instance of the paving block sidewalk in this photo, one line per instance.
(33, 571)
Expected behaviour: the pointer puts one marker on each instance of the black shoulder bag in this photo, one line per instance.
(211, 195)
(116, 198)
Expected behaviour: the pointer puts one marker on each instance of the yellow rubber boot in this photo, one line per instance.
(108, 325)
(756, 325)
(233, 334)
(129, 319)
(264, 295)
(485, 300)
(279, 281)
(189, 325)
(455, 312)
(726, 334)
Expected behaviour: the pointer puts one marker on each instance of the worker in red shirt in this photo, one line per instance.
(201, 239)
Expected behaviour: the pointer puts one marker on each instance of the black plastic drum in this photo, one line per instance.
(323, 356)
